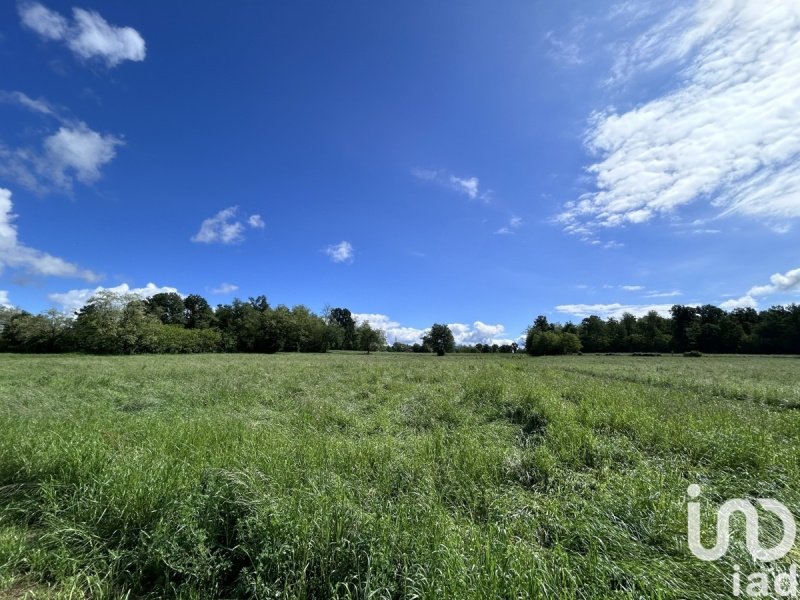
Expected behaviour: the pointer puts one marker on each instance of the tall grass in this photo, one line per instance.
(381, 476)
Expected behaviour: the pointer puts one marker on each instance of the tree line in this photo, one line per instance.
(707, 329)
(111, 323)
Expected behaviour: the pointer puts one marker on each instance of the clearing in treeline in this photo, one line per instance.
(383, 476)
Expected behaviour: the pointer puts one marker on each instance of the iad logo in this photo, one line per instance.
(785, 584)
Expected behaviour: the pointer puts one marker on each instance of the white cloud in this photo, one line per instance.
(89, 36)
(73, 152)
(16, 255)
(225, 288)
(479, 333)
(468, 186)
(632, 288)
(78, 150)
(463, 333)
(37, 105)
(74, 300)
(393, 330)
(4, 301)
(728, 133)
(225, 227)
(615, 310)
(341, 252)
(778, 283)
(671, 294)
(743, 302)
(509, 229)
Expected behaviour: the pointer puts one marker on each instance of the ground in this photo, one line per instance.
(402, 476)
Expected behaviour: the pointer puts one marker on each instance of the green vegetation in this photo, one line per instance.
(167, 323)
(383, 476)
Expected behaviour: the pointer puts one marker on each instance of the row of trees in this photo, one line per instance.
(167, 323)
(705, 328)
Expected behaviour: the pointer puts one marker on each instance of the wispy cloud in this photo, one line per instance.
(225, 288)
(467, 186)
(88, 35)
(343, 252)
(671, 294)
(17, 255)
(726, 133)
(226, 227)
(513, 224)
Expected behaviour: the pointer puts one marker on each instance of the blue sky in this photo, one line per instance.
(472, 163)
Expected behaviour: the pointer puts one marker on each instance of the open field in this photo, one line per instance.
(404, 476)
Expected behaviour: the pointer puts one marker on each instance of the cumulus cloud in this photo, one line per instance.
(225, 288)
(727, 134)
(4, 301)
(74, 300)
(393, 330)
(615, 309)
(89, 36)
(778, 283)
(79, 151)
(466, 334)
(341, 252)
(225, 227)
(73, 152)
(467, 186)
(16, 255)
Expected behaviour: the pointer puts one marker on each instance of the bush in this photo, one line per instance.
(693, 354)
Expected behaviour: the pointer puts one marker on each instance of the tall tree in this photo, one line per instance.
(168, 307)
(198, 312)
(440, 339)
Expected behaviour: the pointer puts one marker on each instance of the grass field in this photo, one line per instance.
(402, 476)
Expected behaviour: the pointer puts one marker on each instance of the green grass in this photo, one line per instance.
(383, 476)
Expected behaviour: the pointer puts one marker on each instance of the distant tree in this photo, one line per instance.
(551, 342)
(343, 318)
(593, 333)
(199, 314)
(168, 307)
(369, 339)
(685, 327)
(541, 324)
(440, 339)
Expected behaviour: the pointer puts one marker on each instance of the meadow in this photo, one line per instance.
(345, 475)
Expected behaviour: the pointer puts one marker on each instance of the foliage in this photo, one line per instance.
(440, 339)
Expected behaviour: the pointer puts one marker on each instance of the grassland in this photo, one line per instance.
(402, 476)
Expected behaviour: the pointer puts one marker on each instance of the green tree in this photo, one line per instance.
(440, 339)
(199, 314)
(168, 307)
(369, 339)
